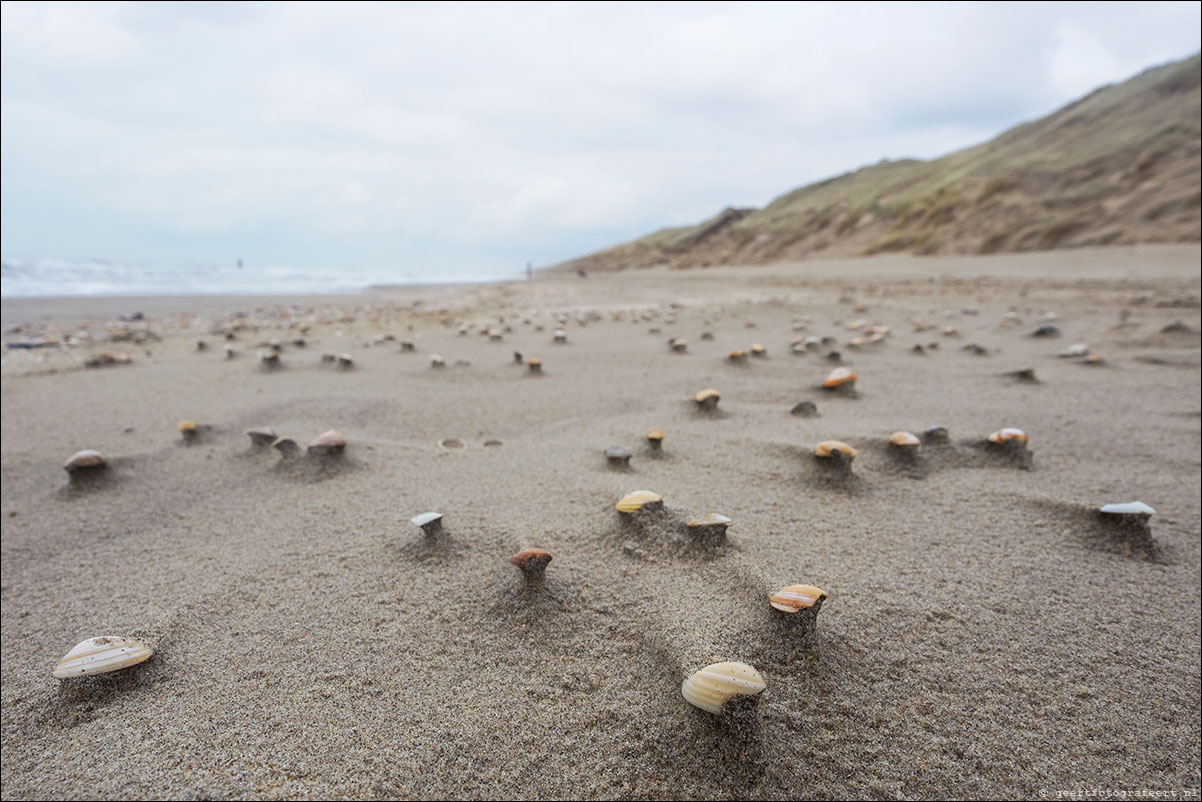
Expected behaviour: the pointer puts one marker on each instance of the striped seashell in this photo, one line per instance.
(1008, 435)
(711, 687)
(86, 460)
(839, 377)
(639, 500)
(903, 440)
(835, 448)
(798, 597)
(101, 655)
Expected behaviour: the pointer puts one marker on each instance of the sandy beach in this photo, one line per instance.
(986, 632)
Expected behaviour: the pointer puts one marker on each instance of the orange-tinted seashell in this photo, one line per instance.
(797, 597)
(838, 377)
(835, 448)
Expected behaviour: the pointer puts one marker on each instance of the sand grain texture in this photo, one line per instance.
(983, 635)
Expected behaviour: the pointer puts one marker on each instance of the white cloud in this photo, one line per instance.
(474, 132)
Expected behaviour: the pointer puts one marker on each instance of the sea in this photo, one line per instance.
(45, 277)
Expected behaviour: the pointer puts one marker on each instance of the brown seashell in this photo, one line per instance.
(835, 448)
(707, 399)
(1008, 435)
(798, 597)
(738, 355)
(639, 500)
(187, 429)
(327, 443)
(85, 461)
(531, 561)
(839, 377)
(903, 440)
(655, 437)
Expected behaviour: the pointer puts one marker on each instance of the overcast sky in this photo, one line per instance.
(466, 139)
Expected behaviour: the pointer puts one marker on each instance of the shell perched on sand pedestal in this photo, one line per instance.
(639, 500)
(711, 687)
(835, 448)
(101, 655)
(903, 440)
(707, 399)
(1135, 509)
(532, 561)
(86, 460)
(1008, 435)
(428, 522)
(798, 597)
(840, 378)
(327, 444)
(710, 529)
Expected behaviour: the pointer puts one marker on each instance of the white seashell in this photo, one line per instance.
(710, 687)
(101, 655)
(1128, 508)
(430, 522)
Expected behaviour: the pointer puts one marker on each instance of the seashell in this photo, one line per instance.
(105, 359)
(437, 362)
(835, 448)
(1129, 508)
(532, 561)
(276, 345)
(345, 361)
(451, 443)
(100, 656)
(839, 377)
(758, 350)
(261, 437)
(936, 434)
(918, 349)
(1008, 435)
(950, 331)
(617, 454)
(798, 597)
(1026, 374)
(707, 399)
(270, 359)
(187, 429)
(855, 325)
(903, 440)
(710, 688)
(875, 338)
(639, 500)
(1075, 351)
(678, 344)
(495, 336)
(1046, 330)
(737, 355)
(327, 443)
(428, 522)
(655, 437)
(286, 446)
(804, 409)
(1093, 359)
(710, 529)
(85, 461)
(535, 364)
(559, 337)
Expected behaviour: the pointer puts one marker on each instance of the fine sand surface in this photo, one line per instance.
(985, 635)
